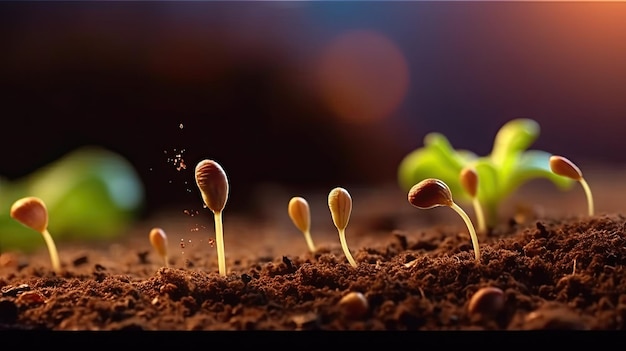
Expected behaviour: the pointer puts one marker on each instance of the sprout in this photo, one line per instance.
(32, 212)
(566, 168)
(469, 181)
(505, 169)
(433, 192)
(340, 204)
(354, 305)
(213, 184)
(158, 239)
(300, 214)
(487, 301)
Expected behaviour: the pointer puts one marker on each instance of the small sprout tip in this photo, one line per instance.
(213, 184)
(300, 214)
(354, 305)
(469, 181)
(32, 212)
(487, 301)
(566, 168)
(432, 192)
(340, 204)
(158, 239)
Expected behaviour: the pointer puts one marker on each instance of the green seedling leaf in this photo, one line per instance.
(91, 193)
(437, 159)
(505, 169)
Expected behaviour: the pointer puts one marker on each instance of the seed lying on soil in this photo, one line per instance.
(487, 301)
(300, 214)
(158, 239)
(432, 192)
(32, 212)
(469, 180)
(354, 305)
(566, 168)
(213, 184)
(340, 204)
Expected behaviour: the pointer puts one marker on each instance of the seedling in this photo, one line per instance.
(487, 301)
(566, 168)
(158, 239)
(354, 305)
(506, 168)
(430, 193)
(340, 204)
(300, 214)
(32, 212)
(469, 181)
(213, 184)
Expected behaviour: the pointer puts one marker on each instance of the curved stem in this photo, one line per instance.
(471, 229)
(52, 249)
(309, 241)
(219, 242)
(589, 197)
(480, 216)
(344, 245)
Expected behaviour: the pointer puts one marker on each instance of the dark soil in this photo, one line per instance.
(556, 269)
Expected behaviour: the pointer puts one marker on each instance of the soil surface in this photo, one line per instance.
(547, 265)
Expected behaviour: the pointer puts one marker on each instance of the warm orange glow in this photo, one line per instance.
(363, 76)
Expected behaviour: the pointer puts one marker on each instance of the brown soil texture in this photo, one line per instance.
(552, 268)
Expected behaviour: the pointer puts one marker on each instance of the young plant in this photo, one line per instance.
(566, 168)
(213, 184)
(469, 181)
(340, 204)
(506, 168)
(433, 192)
(158, 239)
(32, 212)
(300, 214)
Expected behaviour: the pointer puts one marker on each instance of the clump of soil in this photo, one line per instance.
(556, 272)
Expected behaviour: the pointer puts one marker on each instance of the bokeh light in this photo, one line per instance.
(363, 75)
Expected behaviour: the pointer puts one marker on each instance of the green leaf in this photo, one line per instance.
(513, 138)
(535, 164)
(91, 193)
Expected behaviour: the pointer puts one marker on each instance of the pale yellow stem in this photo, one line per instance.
(471, 229)
(480, 216)
(589, 197)
(309, 241)
(344, 245)
(52, 249)
(219, 242)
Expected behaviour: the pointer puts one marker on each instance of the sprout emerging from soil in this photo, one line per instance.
(354, 305)
(566, 168)
(487, 301)
(32, 212)
(432, 192)
(509, 165)
(158, 239)
(300, 214)
(213, 184)
(340, 204)
(469, 181)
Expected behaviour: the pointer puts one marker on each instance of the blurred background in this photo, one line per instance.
(315, 94)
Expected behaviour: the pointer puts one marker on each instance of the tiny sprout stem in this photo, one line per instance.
(585, 186)
(219, 241)
(480, 215)
(52, 250)
(309, 241)
(470, 227)
(344, 245)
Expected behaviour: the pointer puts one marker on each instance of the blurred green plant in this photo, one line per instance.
(90, 193)
(505, 169)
